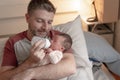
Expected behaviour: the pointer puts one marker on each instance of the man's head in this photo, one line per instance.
(39, 17)
(61, 42)
(40, 4)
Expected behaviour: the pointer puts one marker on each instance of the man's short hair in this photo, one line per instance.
(40, 4)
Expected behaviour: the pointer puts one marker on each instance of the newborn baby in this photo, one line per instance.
(53, 48)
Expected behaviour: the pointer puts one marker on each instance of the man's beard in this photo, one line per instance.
(40, 33)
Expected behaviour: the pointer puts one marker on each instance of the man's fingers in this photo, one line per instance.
(38, 46)
(40, 54)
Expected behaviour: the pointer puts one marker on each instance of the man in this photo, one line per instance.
(19, 56)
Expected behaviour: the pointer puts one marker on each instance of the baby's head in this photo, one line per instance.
(61, 42)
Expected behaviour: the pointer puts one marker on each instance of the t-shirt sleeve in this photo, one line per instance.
(9, 57)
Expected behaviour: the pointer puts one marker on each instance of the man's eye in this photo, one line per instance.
(40, 21)
(50, 22)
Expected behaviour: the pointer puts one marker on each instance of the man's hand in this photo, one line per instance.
(37, 53)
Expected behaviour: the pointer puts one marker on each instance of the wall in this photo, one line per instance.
(12, 13)
(12, 16)
(117, 33)
(117, 37)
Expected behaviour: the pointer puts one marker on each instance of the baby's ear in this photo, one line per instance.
(62, 49)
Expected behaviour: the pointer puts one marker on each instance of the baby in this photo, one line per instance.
(54, 48)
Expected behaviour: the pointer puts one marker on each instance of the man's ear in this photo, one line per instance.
(27, 17)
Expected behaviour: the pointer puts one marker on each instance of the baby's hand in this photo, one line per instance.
(55, 56)
(48, 50)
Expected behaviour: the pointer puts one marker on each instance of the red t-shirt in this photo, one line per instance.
(17, 48)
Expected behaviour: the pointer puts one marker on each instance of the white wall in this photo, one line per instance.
(12, 14)
(117, 37)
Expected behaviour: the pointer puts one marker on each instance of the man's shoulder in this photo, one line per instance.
(18, 36)
(54, 32)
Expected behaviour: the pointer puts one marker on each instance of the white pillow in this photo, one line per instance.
(74, 29)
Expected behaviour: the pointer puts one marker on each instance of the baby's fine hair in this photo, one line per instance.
(67, 43)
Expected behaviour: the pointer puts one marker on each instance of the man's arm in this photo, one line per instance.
(64, 68)
(7, 72)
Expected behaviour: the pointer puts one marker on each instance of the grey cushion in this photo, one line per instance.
(100, 49)
(114, 66)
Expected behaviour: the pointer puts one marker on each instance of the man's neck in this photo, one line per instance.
(29, 35)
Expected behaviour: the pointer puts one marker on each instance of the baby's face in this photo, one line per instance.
(56, 42)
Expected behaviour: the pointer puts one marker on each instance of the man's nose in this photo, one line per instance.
(45, 25)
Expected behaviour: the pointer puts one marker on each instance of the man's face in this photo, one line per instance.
(39, 22)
